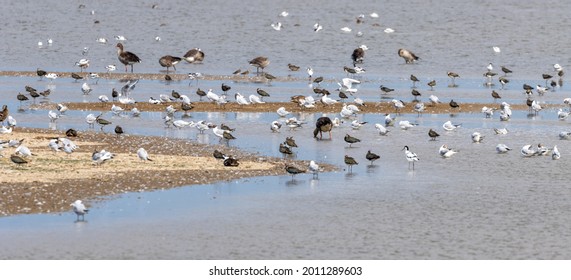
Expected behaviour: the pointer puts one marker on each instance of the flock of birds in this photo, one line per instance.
(347, 88)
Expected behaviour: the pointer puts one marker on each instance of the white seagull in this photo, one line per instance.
(143, 155)
(240, 99)
(448, 126)
(562, 115)
(502, 148)
(254, 99)
(434, 99)
(446, 152)
(404, 125)
(565, 135)
(79, 209)
(528, 151)
(86, 89)
(477, 137)
(282, 112)
(501, 130)
(53, 116)
(103, 98)
(382, 130)
(275, 127)
(314, 168)
(555, 154)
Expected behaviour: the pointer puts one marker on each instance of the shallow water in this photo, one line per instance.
(475, 205)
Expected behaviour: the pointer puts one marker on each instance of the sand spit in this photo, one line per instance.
(51, 181)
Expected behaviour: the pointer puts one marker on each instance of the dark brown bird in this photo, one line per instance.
(351, 140)
(496, 95)
(342, 95)
(76, 77)
(225, 88)
(318, 80)
(168, 77)
(323, 124)
(372, 157)
(200, 93)
(414, 79)
(71, 133)
(503, 81)
(415, 93)
(218, 155)
(358, 55)
(4, 113)
(114, 94)
(34, 95)
(226, 135)
(350, 162)
(18, 160)
(293, 170)
(292, 67)
(454, 104)
(349, 70)
(453, 76)
(506, 70)
(408, 56)
(21, 98)
(30, 89)
(290, 141)
(118, 130)
(194, 55)
(546, 77)
(175, 94)
(269, 77)
(433, 134)
(230, 161)
(527, 87)
(127, 58)
(432, 84)
(260, 62)
(41, 73)
(102, 122)
(45, 93)
(262, 93)
(237, 72)
(285, 150)
(169, 61)
(385, 89)
(225, 127)
(186, 107)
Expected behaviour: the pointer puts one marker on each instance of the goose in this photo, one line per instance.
(125, 57)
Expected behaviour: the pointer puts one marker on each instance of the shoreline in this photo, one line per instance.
(51, 181)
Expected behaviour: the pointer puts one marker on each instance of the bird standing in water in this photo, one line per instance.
(323, 124)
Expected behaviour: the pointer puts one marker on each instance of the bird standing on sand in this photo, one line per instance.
(259, 62)
(127, 58)
(118, 130)
(323, 124)
(143, 155)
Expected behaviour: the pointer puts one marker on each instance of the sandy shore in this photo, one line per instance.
(51, 181)
(371, 107)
